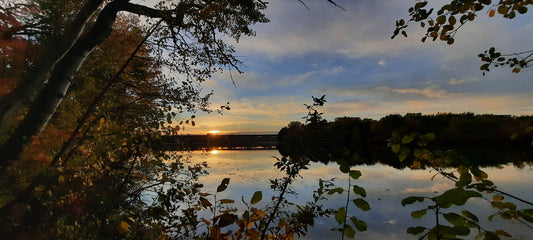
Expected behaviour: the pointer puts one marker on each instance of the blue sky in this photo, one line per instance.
(349, 56)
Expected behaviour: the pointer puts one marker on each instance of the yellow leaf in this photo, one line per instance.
(503, 233)
(497, 198)
(492, 12)
(206, 222)
(259, 213)
(226, 201)
(61, 179)
(416, 164)
(252, 234)
(516, 70)
(124, 226)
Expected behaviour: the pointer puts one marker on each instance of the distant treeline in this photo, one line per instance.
(452, 130)
(215, 141)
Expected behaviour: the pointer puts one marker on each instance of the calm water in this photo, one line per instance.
(250, 171)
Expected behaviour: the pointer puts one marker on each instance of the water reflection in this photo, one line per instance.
(386, 185)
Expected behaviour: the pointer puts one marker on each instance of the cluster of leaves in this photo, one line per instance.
(314, 119)
(414, 146)
(315, 124)
(450, 17)
(444, 23)
(95, 183)
(95, 166)
(279, 219)
(341, 215)
(516, 61)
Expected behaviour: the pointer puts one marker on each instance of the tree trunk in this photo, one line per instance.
(59, 82)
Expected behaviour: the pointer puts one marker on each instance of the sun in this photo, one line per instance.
(214, 131)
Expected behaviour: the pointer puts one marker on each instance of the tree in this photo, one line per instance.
(444, 23)
(93, 91)
(191, 29)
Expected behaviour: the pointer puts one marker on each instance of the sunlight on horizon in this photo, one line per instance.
(214, 131)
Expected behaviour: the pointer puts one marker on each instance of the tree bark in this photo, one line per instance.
(59, 82)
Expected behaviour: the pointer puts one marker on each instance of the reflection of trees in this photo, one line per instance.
(482, 140)
(470, 182)
(371, 155)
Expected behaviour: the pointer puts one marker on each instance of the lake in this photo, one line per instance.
(250, 171)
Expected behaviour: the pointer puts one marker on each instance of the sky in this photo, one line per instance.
(349, 56)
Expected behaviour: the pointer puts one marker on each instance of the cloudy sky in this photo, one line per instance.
(349, 57)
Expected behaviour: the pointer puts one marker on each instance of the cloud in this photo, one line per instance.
(364, 29)
(454, 81)
(382, 63)
(429, 92)
(256, 114)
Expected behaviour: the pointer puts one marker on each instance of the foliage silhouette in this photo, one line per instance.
(414, 146)
(446, 21)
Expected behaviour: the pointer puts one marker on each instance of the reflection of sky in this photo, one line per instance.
(249, 171)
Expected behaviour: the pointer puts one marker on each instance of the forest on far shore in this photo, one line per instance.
(451, 130)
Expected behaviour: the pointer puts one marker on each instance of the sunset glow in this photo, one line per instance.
(362, 71)
(214, 131)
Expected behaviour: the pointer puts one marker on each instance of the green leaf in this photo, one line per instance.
(459, 230)
(360, 225)
(522, 9)
(456, 196)
(526, 214)
(340, 215)
(415, 230)
(349, 232)
(344, 167)
(336, 190)
(470, 215)
(480, 175)
(408, 138)
(396, 148)
(465, 178)
(361, 204)
(403, 154)
(223, 185)
(355, 174)
(359, 191)
(419, 213)
(411, 200)
(258, 195)
(455, 219)
(429, 137)
(246, 215)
